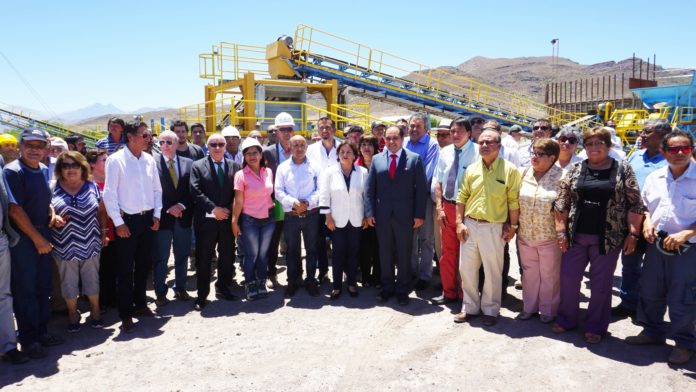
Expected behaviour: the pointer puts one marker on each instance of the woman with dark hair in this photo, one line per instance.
(252, 216)
(568, 142)
(341, 193)
(370, 270)
(79, 236)
(598, 212)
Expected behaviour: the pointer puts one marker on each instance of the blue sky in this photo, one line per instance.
(137, 54)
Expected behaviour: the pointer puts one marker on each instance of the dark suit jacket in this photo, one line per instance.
(207, 194)
(270, 154)
(402, 198)
(180, 194)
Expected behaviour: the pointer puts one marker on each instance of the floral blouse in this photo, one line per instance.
(536, 204)
(625, 199)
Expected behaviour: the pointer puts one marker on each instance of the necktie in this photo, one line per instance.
(220, 174)
(172, 173)
(452, 175)
(392, 166)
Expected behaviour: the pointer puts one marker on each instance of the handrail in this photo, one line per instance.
(53, 129)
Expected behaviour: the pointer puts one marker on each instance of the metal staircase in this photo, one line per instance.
(19, 122)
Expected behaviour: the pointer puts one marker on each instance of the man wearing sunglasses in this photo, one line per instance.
(212, 190)
(669, 270)
(175, 225)
(643, 163)
(540, 129)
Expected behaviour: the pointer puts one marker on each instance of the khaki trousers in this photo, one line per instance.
(483, 246)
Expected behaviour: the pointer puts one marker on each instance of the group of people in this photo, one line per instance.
(391, 201)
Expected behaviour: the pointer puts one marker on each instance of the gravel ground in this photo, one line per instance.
(311, 344)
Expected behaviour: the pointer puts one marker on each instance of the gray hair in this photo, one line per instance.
(421, 116)
(658, 124)
(170, 134)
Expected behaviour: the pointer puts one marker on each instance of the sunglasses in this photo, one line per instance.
(677, 149)
(285, 129)
(595, 143)
(538, 127)
(571, 140)
(68, 166)
(167, 142)
(486, 142)
(216, 145)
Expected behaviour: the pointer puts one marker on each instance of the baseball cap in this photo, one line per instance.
(30, 134)
(515, 128)
(377, 123)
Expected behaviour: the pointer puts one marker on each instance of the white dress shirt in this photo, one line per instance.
(671, 203)
(295, 182)
(510, 155)
(345, 205)
(238, 157)
(319, 158)
(132, 185)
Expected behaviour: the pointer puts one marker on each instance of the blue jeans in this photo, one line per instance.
(309, 228)
(31, 287)
(669, 282)
(630, 277)
(256, 239)
(181, 237)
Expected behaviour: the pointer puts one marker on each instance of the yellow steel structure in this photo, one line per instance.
(418, 80)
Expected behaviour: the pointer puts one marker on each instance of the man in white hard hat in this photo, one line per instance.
(232, 140)
(275, 154)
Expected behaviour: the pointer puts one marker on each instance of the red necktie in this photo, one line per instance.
(392, 166)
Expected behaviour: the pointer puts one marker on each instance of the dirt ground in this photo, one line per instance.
(352, 344)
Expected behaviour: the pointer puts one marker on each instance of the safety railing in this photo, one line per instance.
(230, 61)
(313, 47)
(20, 121)
(226, 113)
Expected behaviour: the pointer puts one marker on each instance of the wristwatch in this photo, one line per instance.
(515, 226)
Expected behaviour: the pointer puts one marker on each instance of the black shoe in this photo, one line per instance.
(489, 321)
(383, 297)
(226, 295)
(323, 278)
(273, 282)
(16, 357)
(182, 295)
(442, 300)
(354, 292)
(127, 325)
(421, 285)
(312, 289)
(335, 294)
(290, 290)
(199, 305)
(622, 312)
(47, 340)
(35, 351)
(404, 300)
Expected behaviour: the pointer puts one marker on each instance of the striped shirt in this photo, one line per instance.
(109, 144)
(80, 238)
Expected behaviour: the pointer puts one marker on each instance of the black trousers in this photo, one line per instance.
(134, 263)
(273, 249)
(206, 240)
(108, 276)
(322, 249)
(346, 242)
(395, 241)
(370, 269)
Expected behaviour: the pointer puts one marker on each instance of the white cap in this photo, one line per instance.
(250, 142)
(230, 131)
(284, 119)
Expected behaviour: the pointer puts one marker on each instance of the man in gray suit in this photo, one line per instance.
(274, 155)
(395, 198)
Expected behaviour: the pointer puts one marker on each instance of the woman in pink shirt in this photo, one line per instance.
(252, 216)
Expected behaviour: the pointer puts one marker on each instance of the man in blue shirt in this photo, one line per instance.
(643, 163)
(421, 143)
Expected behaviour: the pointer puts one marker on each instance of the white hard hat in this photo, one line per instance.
(230, 131)
(250, 142)
(284, 119)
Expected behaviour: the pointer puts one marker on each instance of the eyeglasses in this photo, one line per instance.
(539, 154)
(146, 135)
(216, 145)
(595, 143)
(542, 127)
(285, 129)
(167, 142)
(677, 149)
(68, 166)
(487, 142)
(571, 140)
(443, 134)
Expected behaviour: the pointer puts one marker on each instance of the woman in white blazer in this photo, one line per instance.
(341, 191)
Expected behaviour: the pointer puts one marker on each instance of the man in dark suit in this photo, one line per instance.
(175, 223)
(395, 197)
(274, 155)
(212, 189)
